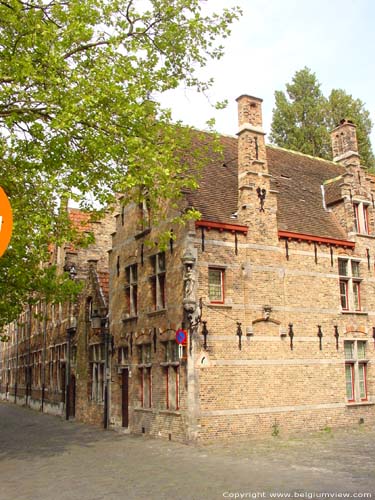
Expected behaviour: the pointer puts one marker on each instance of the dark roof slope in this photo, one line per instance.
(217, 196)
(332, 190)
(297, 178)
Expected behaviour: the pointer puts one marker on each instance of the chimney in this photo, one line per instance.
(256, 200)
(251, 145)
(344, 143)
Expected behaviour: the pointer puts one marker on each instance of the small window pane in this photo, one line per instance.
(134, 273)
(215, 288)
(349, 381)
(147, 353)
(161, 262)
(344, 294)
(139, 354)
(362, 381)
(356, 217)
(356, 295)
(343, 267)
(361, 346)
(355, 268)
(365, 218)
(349, 350)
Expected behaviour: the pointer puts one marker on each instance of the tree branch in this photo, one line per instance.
(87, 46)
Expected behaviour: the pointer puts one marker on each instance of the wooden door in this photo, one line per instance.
(125, 397)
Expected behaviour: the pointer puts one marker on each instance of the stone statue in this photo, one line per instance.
(189, 279)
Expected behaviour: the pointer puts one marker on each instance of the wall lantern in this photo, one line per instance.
(96, 319)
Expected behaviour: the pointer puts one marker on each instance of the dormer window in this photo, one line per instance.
(361, 219)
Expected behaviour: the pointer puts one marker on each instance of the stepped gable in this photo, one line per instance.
(299, 178)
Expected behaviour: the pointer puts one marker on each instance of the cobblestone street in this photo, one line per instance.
(46, 458)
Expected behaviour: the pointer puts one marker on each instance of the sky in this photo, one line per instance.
(274, 39)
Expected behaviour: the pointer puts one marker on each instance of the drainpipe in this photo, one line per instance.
(28, 382)
(69, 334)
(106, 335)
(44, 352)
(16, 376)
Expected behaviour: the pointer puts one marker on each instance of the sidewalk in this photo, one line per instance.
(46, 458)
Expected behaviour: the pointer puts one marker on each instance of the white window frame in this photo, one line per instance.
(159, 281)
(221, 271)
(351, 284)
(97, 372)
(361, 217)
(131, 289)
(357, 366)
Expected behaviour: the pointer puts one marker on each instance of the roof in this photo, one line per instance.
(103, 279)
(80, 219)
(217, 195)
(296, 177)
(332, 190)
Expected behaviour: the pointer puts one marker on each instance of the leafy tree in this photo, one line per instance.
(77, 117)
(303, 119)
(299, 119)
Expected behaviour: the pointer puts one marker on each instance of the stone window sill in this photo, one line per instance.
(170, 412)
(156, 313)
(92, 402)
(144, 365)
(170, 363)
(131, 318)
(146, 410)
(221, 306)
(359, 403)
(364, 235)
(360, 313)
(142, 233)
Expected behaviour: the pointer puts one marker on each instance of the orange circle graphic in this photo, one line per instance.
(6, 221)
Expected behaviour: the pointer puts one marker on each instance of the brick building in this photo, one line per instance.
(274, 284)
(46, 364)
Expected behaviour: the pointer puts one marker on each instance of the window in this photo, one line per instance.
(144, 365)
(361, 218)
(172, 387)
(171, 373)
(171, 351)
(350, 285)
(131, 277)
(96, 356)
(123, 355)
(144, 215)
(216, 285)
(355, 370)
(158, 280)
(144, 354)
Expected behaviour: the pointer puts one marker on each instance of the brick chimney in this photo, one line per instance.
(250, 134)
(344, 143)
(256, 202)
